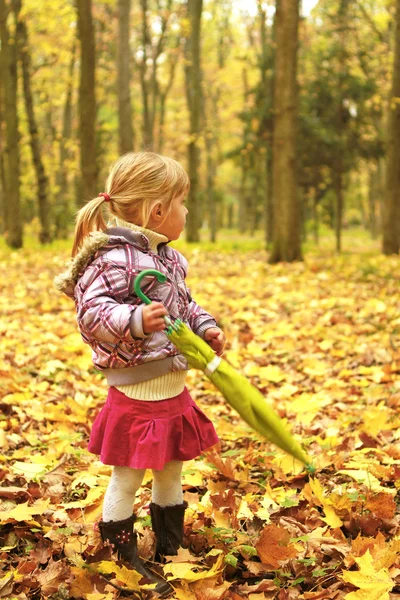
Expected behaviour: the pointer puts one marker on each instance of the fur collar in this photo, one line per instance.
(92, 243)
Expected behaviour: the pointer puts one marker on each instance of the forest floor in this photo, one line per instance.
(321, 340)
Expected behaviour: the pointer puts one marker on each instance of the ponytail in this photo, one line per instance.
(89, 218)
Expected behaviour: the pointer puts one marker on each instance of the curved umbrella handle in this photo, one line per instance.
(160, 277)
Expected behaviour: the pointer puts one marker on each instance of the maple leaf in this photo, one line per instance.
(210, 590)
(191, 573)
(273, 546)
(373, 584)
(51, 578)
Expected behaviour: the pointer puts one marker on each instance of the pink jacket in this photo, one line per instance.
(109, 314)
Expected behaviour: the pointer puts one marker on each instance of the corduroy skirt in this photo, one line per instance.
(147, 435)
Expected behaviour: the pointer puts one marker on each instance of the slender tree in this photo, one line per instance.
(62, 210)
(87, 100)
(152, 48)
(42, 181)
(391, 227)
(194, 101)
(286, 243)
(11, 159)
(164, 91)
(125, 113)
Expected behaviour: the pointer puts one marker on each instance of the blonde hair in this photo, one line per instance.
(137, 182)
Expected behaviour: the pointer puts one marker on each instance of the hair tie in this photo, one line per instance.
(105, 196)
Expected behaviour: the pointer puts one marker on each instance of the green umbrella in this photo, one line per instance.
(237, 390)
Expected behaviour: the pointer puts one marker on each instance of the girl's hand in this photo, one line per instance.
(153, 317)
(216, 338)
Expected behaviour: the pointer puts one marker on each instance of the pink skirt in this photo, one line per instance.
(147, 435)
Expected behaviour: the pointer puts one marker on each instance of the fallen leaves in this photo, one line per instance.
(373, 584)
(319, 339)
(274, 547)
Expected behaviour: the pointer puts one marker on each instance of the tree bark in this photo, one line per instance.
(87, 100)
(146, 124)
(3, 203)
(13, 225)
(391, 225)
(286, 244)
(45, 234)
(62, 212)
(125, 113)
(194, 101)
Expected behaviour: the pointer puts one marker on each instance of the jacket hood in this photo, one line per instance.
(106, 240)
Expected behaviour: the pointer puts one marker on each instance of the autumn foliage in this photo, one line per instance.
(320, 339)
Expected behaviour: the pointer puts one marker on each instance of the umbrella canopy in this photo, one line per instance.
(236, 389)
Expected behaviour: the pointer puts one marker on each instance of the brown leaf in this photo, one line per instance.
(382, 506)
(6, 585)
(51, 578)
(208, 589)
(41, 553)
(360, 545)
(14, 492)
(224, 465)
(273, 546)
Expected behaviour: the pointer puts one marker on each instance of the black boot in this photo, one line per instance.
(167, 524)
(123, 539)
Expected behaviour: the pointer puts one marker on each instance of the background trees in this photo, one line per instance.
(197, 80)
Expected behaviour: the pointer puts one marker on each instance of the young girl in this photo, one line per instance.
(149, 420)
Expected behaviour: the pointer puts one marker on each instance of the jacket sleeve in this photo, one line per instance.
(101, 311)
(199, 320)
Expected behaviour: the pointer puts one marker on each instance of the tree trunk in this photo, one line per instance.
(62, 211)
(269, 199)
(266, 62)
(13, 225)
(3, 203)
(194, 101)
(163, 97)
(286, 244)
(212, 212)
(391, 226)
(338, 185)
(373, 196)
(242, 213)
(125, 118)
(146, 124)
(87, 100)
(42, 181)
(315, 213)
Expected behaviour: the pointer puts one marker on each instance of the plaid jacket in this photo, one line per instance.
(109, 314)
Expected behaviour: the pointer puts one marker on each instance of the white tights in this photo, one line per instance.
(125, 482)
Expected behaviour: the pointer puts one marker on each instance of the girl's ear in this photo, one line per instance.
(157, 212)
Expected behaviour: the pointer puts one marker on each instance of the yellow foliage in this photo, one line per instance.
(373, 583)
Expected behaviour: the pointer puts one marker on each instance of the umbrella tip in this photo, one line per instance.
(311, 468)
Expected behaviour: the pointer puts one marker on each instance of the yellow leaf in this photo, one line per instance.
(187, 572)
(365, 477)
(193, 479)
(244, 511)
(24, 512)
(185, 595)
(29, 470)
(372, 584)
(317, 489)
(81, 584)
(376, 420)
(271, 373)
(129, 577)
(93, 496)
(331, 517)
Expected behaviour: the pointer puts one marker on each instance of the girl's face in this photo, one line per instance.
(175, 219)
